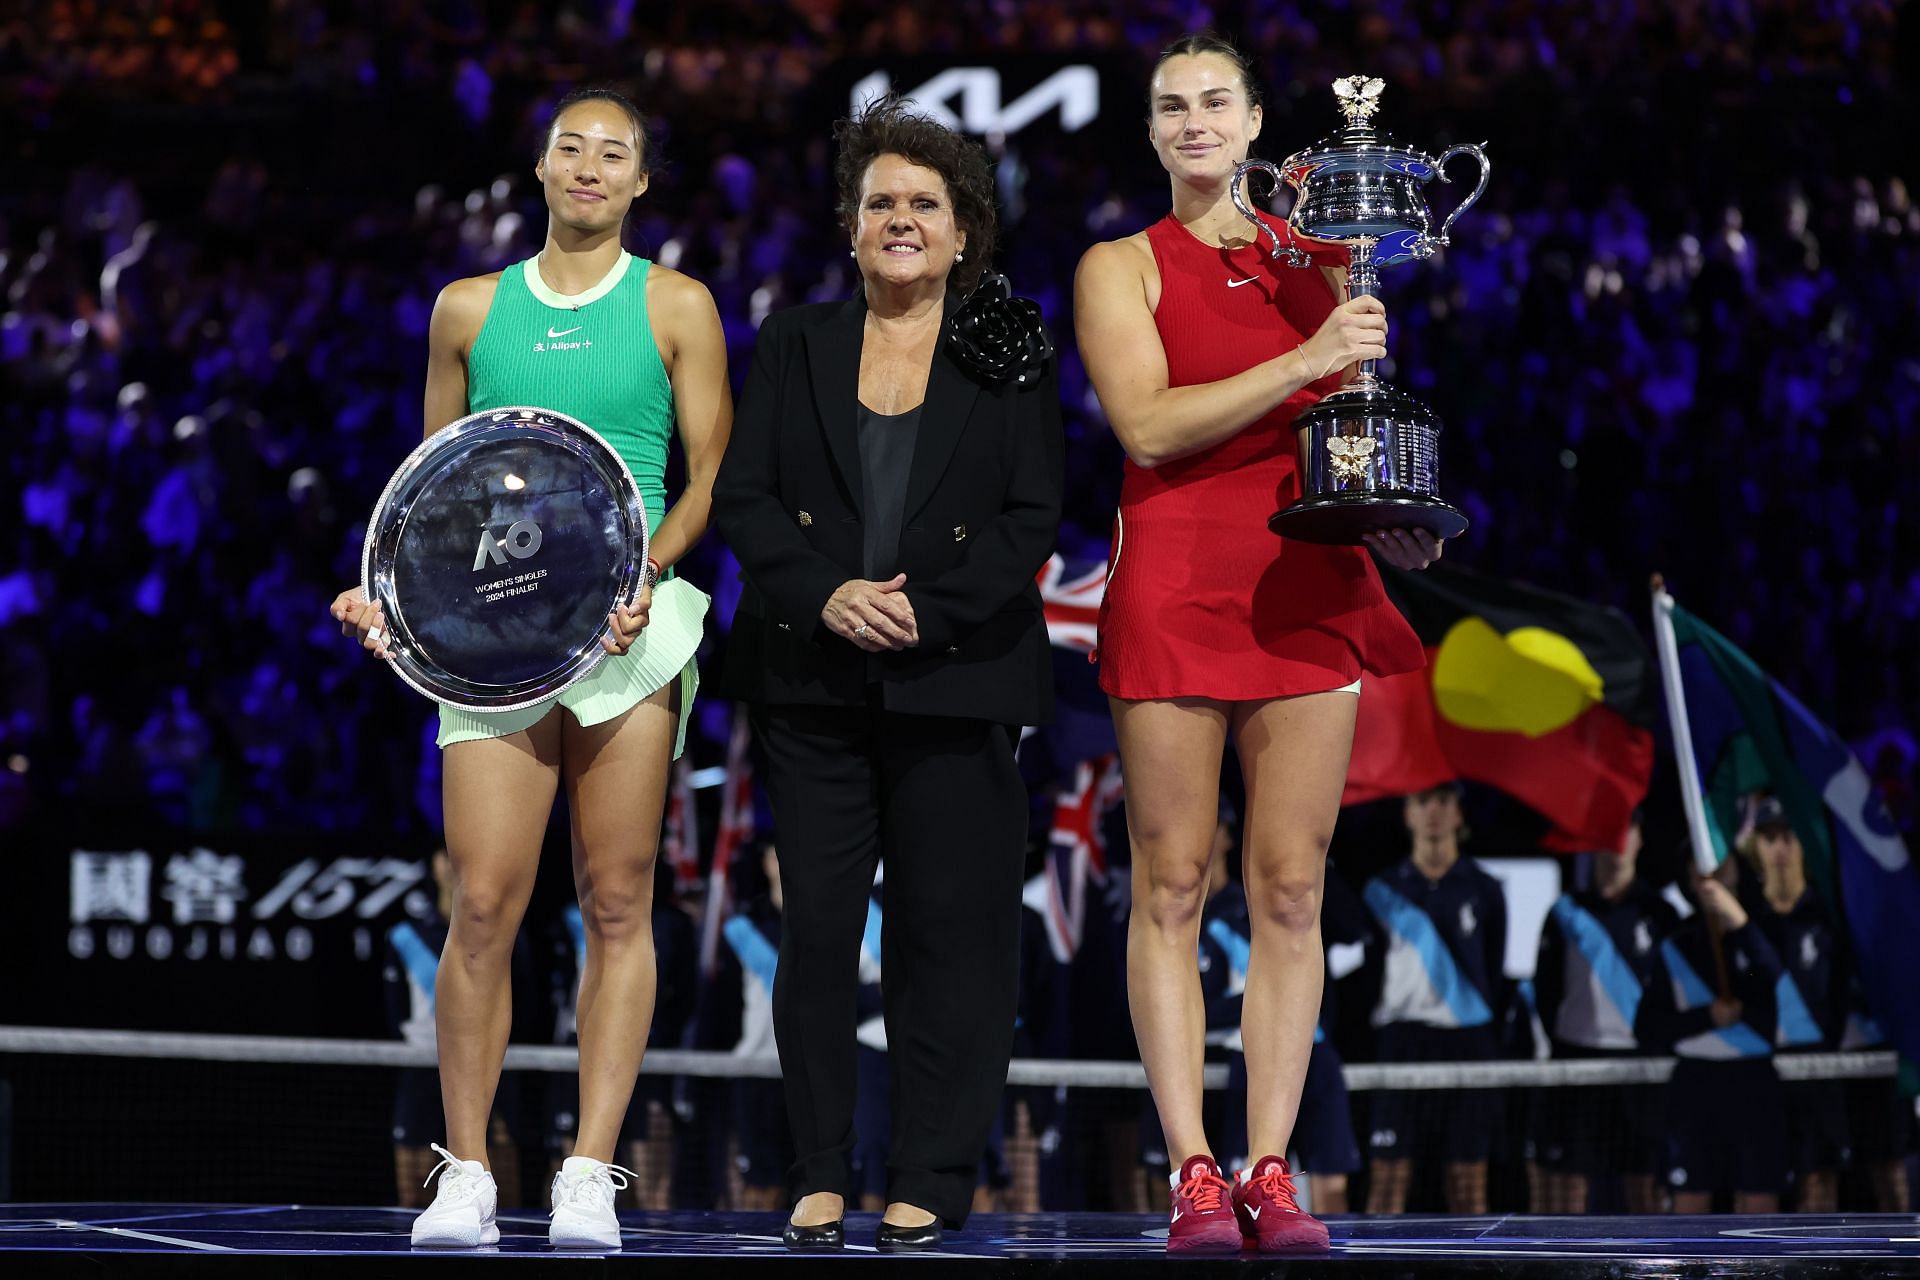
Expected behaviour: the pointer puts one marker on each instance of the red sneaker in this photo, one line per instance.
(1203, 1216)
(1270, 1217)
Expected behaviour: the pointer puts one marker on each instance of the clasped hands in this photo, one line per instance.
(875, 616)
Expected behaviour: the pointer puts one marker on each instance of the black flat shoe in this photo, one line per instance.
(828, 1235)
(892, 1237)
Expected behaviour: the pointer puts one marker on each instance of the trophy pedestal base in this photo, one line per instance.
(1342, 519)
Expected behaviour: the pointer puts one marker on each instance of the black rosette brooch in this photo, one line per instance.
(996, 336)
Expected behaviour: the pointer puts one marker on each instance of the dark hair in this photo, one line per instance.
(889, 126)
(1209, 41)
(601, 93)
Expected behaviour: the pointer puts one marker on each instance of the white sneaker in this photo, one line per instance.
(583, 1216)
(461, 1215)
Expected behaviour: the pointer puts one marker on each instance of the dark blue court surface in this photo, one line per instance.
(288, 1240)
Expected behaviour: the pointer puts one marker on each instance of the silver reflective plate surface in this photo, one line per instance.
(497, 551)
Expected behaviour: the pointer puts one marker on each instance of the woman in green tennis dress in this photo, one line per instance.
(634, 350)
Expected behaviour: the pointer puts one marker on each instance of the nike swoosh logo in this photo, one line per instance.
(1176, 1217)
(1235, 284)
(1253, 1211)
(561, 333)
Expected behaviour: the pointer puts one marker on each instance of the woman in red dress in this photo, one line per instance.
(1203, 349)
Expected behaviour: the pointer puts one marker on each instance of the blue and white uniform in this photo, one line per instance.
(1444, 997)
(1597, 957)
(1727, 1127)
(1811, 997)
(407, 975)
(759, 1106)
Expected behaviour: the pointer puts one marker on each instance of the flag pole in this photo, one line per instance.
(1667, 646)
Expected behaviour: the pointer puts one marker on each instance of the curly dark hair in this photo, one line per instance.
(890, 126)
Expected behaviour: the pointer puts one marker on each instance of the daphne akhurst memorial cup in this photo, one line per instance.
(1368, 452)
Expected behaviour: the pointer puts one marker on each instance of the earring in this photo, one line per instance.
(853, 253)
(960, 256)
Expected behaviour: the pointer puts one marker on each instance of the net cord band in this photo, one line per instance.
(1027, 1072)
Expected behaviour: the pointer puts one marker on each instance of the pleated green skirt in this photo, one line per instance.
(664, 652)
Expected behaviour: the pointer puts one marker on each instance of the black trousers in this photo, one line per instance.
(942, 800)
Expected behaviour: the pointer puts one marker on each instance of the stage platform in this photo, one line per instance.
(290, 1240)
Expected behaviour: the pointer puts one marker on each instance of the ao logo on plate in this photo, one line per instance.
(522, 540)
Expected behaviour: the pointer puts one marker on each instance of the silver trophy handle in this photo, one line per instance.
(1237, 189)
(1440, 166)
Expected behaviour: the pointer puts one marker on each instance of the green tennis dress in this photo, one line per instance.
(592, 357)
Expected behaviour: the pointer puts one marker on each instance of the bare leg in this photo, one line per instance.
(1170, 753)
(1819, 1192)
(1387, 1193)
(1573, 1193)
(652, 1158)
(736, 1197)
(818, 1208)
(1756, 1202)
(1693, 1204)
(1889, 1179)
(1128, 1189)
(411, 1165)
(498, 793)
(1643, 1194)
(1293, 753)
(616, 776)
(1466, 1186)
(503, 1157)
(1329, 1193)
(1023, 1162)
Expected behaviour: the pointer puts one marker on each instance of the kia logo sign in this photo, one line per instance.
(970, 99)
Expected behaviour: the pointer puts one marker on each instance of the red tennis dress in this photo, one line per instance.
(1202, 601)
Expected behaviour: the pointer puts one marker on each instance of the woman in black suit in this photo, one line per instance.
(891, 490)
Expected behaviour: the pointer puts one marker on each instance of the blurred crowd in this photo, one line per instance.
(1678, 333)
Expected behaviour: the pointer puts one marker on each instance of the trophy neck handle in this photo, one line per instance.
(1440, 165)
(1237, 190)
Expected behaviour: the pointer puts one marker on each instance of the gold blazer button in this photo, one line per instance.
(806, 520)
(959, 533)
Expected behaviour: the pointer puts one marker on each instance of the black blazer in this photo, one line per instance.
(981, 515)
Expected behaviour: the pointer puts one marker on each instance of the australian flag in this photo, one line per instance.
(1077, 851)
(733, 834)
(680, 837)
(1072, 596)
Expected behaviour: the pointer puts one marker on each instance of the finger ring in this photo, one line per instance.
(862, 629)
(375, 635)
